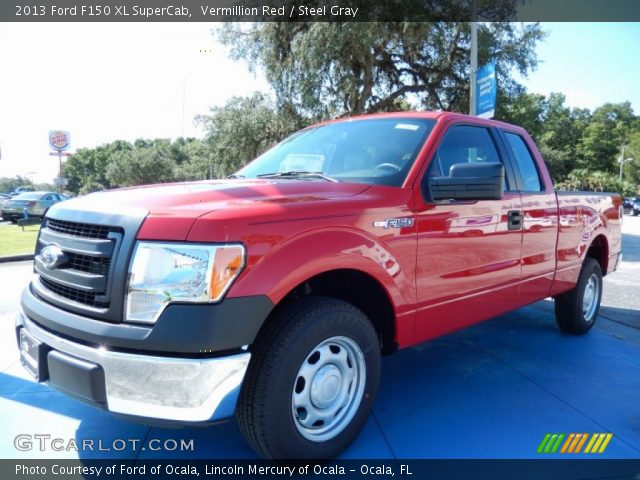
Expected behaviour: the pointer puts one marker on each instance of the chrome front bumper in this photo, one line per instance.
(189, 390)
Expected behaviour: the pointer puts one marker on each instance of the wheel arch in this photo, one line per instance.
(353, 286)
(599, 250)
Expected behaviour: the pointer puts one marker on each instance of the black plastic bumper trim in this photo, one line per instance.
(181, 328)
(76, 377)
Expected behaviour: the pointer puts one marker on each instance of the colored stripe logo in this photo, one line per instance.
(574, 442)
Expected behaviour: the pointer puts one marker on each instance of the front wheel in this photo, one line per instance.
(577, 309)
(312, 380)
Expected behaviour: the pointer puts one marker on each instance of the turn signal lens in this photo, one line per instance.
(227, 265)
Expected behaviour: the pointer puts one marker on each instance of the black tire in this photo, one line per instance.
(14, 220)
(265, 410)
(572, 316)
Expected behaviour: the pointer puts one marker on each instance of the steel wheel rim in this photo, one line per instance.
(328, 388)
(590, 297)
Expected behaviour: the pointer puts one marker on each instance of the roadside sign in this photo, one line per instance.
(486, 89)
(59, 140)
(60, 182)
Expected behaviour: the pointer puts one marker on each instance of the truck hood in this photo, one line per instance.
(183, 203)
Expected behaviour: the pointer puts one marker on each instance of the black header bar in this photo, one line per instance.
(317, 10)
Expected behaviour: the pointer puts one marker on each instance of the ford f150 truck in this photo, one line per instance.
(271, 295)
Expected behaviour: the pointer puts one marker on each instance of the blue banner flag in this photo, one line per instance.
(486, 89)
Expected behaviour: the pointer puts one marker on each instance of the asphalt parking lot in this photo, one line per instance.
(491, 391)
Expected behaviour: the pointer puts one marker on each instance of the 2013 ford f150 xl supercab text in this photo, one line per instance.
(271, 295)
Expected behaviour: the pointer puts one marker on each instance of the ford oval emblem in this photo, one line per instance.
(52, 257)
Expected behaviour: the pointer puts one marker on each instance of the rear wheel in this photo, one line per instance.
(312, 380)
(577, 309)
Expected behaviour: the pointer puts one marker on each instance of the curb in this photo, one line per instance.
(17, 258)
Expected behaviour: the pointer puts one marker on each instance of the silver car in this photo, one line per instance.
(36, 204)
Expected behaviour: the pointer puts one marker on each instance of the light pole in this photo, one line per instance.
(474, 57)
(622, 160)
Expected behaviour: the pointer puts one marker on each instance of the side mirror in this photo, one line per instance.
(469, 181)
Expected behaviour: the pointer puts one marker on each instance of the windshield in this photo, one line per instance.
(28, 196)
(376, 151)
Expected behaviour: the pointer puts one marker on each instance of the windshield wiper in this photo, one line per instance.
(235, 175)
(297, 174)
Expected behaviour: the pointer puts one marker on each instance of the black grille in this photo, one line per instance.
(73, 294)
(87, 230)
(74, 239)
(88, 263)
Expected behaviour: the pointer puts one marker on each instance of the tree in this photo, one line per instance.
(526, 110)
(582, 179)
(148, 162)
(242, 129)
(192, 158)
(632, 151)
(559, 162)
(605, 135)
(86, 169)
(9, 184)
(322, 69)
(121, 163)
(563, 127)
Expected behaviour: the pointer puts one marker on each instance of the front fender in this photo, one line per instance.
(299, 258)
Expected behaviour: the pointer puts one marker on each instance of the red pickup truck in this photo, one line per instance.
(271, 295)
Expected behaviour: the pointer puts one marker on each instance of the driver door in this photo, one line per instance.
(468, 256)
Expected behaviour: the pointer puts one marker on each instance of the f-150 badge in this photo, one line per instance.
(403, 222)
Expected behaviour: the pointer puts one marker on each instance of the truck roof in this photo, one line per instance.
(434, 115)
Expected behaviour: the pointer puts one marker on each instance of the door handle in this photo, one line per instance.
(514, 220)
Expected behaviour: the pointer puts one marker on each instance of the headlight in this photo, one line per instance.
(162, 273)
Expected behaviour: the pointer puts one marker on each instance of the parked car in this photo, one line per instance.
(36, 203)
(20, 190)
(4, 200)
(635, 208)
(627, 204)
(272, 295)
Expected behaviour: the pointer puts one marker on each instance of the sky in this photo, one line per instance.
(105, 82)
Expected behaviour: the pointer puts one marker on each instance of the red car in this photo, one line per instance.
(272, 295)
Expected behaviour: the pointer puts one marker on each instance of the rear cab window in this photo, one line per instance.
(526, 164)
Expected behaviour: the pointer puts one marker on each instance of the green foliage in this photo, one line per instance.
(582, 149)
(323, 69)
(9, 184)
(559, 162)
(121, 164)
(632, 153)
(609, 129)
(147, 162)
(526, 110)
(86, 169)
(597, 181)
(242, 129)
